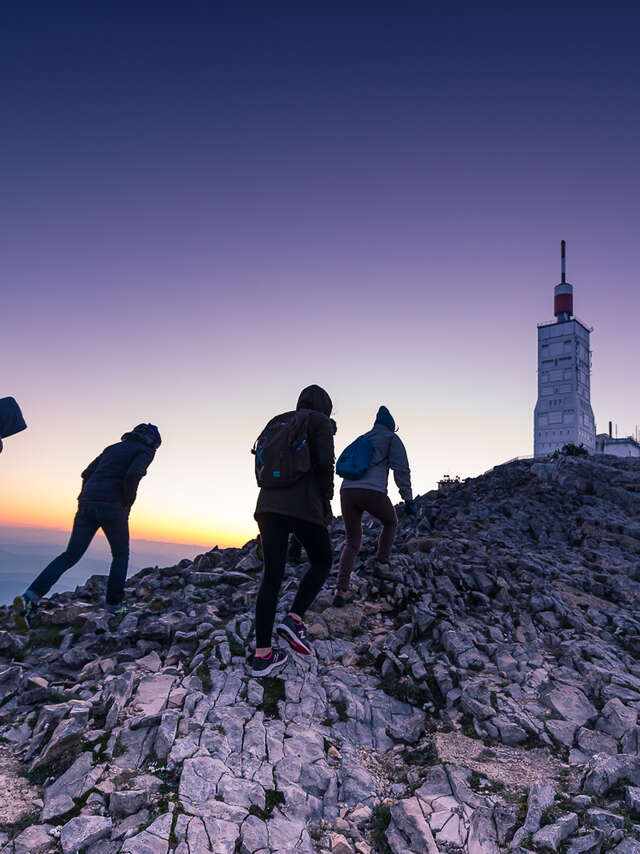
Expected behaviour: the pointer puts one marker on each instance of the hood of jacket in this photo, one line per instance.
(148, 434)
(316, 398)
(385, 418)
(11, 420)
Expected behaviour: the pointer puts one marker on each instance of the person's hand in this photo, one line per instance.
(410, 508)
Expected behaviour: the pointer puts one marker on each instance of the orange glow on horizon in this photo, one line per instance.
(159, 531)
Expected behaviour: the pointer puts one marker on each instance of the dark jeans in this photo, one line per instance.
(354, 503)
(91, 515)
(275, 529)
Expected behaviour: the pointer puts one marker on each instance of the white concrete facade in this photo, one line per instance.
(626, 447)
(563, 413)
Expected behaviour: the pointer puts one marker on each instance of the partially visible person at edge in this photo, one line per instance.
(11, 420)
(369, 494)
(109, 488)
(302, 509)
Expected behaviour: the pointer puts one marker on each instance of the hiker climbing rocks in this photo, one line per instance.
(294, 555)
(365, 465)
(109, 487)
(294, 469)
(11, 420)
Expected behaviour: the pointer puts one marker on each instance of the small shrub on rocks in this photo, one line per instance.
(273, 693)
(380, 821)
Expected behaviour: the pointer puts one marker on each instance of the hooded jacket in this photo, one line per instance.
(388, 453)
(11, 420)
(114, 475)
(309, 497)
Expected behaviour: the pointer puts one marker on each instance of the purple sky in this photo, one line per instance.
(208, 206)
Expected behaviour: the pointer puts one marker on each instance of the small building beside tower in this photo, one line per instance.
(626, 446)
(563, 413)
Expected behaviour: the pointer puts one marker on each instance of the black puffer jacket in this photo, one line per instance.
(11, 420)
(114, 476)
(309, 497)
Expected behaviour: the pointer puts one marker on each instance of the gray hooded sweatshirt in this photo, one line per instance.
(388, 453)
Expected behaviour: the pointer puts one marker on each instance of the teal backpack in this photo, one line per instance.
(355, 460)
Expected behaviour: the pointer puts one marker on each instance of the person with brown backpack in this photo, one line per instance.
(294, 470)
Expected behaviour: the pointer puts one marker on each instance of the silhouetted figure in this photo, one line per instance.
(294, 468)
(368, 460)
(11, 420)
(109, 487)
(294, 555)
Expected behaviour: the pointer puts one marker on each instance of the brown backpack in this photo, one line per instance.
(282, 450)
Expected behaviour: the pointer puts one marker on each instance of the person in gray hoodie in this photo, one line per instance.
(369, 494)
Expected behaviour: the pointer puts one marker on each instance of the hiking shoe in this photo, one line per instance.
(342, 598)
(382, 570)
(24, 611)
(265, 666)
(295, 634)
(119, 611)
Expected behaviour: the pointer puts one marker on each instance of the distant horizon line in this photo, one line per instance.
(139, 539)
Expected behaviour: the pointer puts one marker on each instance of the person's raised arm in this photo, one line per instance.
(399, 462)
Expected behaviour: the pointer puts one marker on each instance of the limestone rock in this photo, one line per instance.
(541, 797)
(510, 620)
(34, 840)
(340, 845)
(550, 837)
(632, 799)
(627, 846)
(79, 833)
(409, 820)
(153, 840)
(605, 771)
(571, 704)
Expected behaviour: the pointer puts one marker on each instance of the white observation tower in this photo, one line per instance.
(563, 412)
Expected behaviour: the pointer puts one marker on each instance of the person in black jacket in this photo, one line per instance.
(11, 420)
(302, 508)
(109, 487)
(294, 554)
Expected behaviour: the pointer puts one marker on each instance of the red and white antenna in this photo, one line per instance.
(563, 294)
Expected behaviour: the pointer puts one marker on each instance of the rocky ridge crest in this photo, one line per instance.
(482, 697)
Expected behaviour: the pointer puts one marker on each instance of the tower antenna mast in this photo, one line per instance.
(563, 260)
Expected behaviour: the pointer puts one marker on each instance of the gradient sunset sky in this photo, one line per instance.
(208, 205)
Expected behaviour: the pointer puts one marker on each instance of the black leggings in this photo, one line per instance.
(275, 530)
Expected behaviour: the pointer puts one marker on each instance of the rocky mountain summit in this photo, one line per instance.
(481, 697)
